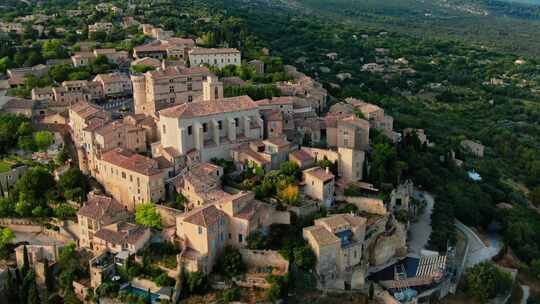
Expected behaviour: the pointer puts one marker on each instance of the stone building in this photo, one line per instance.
(477, 149)
(338, 244)
(121, 236)
(211, 127)
(132, 178)
(218, 57)
(173, 47)
(206, 230)
(163, 88)
(319, 185)
(97, 212)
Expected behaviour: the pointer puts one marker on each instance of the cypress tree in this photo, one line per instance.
(33, 294)
(49, 281)
(26, 263)
(12, 289)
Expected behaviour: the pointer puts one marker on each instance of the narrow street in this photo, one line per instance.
(420, 230)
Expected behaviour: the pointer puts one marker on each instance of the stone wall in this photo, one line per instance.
(168, 215)
(388, 246)
(366, 204)
(264, 258)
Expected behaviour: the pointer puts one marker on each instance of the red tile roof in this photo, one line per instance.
(210, 107)
(205, 217)
(131, 161)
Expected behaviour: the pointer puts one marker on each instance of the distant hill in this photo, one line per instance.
(509, 25)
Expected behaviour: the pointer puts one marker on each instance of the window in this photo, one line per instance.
(164, 129)
(190, 98)
(200, 230)
(189, 130)
(189, 79)
(205, 127)
(171, 89)
(124, 175)
(220, 124)
(172, 100)
(236, 122)
(189, 86)
(230, 236)
(240, 238)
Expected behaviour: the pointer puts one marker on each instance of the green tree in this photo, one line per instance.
(11, 288)
(43, 140)
(26, 262)
(278, 287)
(33, 185)
(62, 157)
(52, 49)
(230, 262)
(485, 281)
(196, 282)
(146, 215)
(73, 185)
(6, 237)
(534, 196)
(535, 268)
(142, 68)
(290, 168)
(304, 257)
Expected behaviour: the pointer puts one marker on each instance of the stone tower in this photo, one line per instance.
(139, 94)
(212, 88)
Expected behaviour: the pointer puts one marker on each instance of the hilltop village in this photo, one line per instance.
(177, 170)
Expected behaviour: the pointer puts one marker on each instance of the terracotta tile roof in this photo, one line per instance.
(252, 209)
(84, 55)
(283, 100)
(19, 103)
(101, 208)
(322, 236)
(121, 233)
(147, 61)
(112, 77)
(86, 110)
(154, 46)
(280, 142)
(203, 177)
(115, 125)
(131, 161)
(211, 51)
(210, 107)
(319, 173)
(205, 217)
(302, 156)
(178, 71)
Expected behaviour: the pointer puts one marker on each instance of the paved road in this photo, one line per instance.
(526, 293)
(419, 231)
(478, 251)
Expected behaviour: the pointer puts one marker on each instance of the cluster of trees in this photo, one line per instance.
(486, 281)
(36, 191)
(147, 269)
(282, 182)
(146, 215)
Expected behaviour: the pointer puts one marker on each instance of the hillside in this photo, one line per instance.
(509, 26)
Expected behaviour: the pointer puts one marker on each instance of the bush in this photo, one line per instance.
(230, 262)
(230, 295)
(486, 281)
(163, 280)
